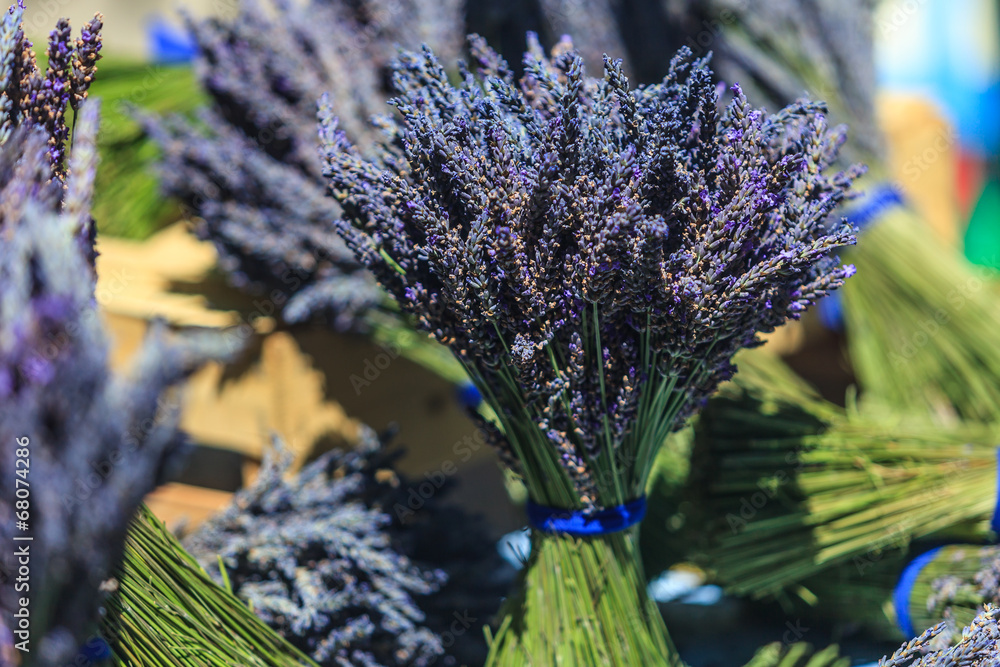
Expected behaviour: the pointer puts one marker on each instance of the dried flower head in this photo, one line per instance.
(250, 172)
(593, 254)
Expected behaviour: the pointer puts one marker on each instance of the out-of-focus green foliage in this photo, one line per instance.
(127, 202)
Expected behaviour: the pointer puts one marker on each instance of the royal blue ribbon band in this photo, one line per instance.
(875, 202)
(995, 521)
(904, 587)
(586, 524)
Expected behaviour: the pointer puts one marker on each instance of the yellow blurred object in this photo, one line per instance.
(176, 503)
(236, 406)
(922, 159)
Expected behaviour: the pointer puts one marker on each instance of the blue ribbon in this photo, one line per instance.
(995, 521)
(879, 199)
(583, 524)
(904, 587)
(96, 650)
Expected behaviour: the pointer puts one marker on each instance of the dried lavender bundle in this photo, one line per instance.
(979, 646)
(84, 445)
(594, 256)
(249, 169)
(785, 487)
(313, 558)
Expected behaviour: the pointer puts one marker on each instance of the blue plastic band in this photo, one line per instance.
(581, 524)
(877, 200)
(995, 521)
(901, 593)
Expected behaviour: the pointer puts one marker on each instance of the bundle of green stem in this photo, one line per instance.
(167, 611)
(799, 654)
(128, 202)
(923, 325)
(787, 485)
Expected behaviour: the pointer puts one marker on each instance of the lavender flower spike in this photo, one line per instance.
(29, 96)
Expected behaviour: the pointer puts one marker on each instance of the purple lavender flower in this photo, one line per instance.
(979, 646)
(594, 255)
(249, 170)
(339, 519)
(28, 96)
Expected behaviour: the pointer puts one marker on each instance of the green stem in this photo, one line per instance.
(582, 602)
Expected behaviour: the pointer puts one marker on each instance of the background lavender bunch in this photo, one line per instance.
(776, 49)
(979, 646)
(314, 559)
(957, 585)
(96, 444)
(594, 255)
(249, 169)
(29, 96)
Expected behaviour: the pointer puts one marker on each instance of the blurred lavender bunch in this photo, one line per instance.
(29, 96)
(979, 646)
(594, 255)
(95, 444)
(971, 582)
(249, 169)
(313, 557)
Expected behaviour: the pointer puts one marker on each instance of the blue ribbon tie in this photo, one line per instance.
(904, 587)
(583, 524)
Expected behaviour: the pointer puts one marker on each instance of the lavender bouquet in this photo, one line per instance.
(247, 167)
(80, 446)
(85, 445)
(316, 563)
(593, 256)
